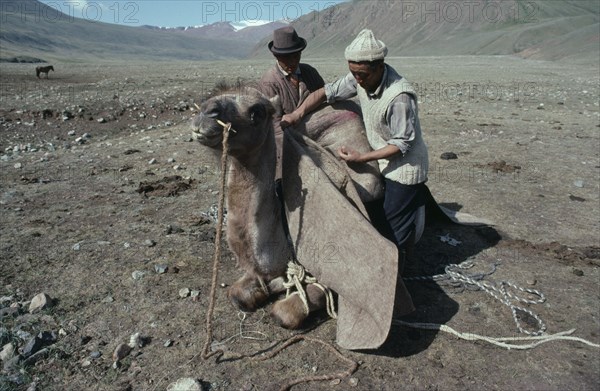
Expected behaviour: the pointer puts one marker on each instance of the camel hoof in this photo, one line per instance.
(247, 294)
(289, 312)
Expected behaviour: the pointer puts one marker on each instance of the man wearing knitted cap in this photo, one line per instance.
(390, 113)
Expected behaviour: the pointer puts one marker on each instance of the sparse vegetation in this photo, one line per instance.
(77, 148)
(75, 226)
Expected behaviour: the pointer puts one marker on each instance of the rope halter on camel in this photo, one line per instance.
(226, 126)
(296, 277)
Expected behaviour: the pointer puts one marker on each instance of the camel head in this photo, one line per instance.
(249, 112)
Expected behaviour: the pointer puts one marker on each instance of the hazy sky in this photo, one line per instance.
(174, 13)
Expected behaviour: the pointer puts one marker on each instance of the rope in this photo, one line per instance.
(251, 334)
(499, 341)
(296, 276)
(264, 355)
(455, 273)
(215, 272)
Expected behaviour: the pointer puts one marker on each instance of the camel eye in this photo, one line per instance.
(212, 110)
(212, 114)
(258, 113)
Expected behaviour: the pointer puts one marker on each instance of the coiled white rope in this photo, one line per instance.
(455, 273)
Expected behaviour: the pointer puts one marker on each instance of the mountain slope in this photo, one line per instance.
(31, 28)
(548, 30)
(225, 30)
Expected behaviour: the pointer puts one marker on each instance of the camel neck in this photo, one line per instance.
(255, 171)
(254, 213)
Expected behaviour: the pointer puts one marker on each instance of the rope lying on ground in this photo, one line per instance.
(455, 273)
(243, 333)
(258, 356)
(501, 341)
(499, 292)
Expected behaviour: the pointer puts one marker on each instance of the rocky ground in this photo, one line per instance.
(107, 233)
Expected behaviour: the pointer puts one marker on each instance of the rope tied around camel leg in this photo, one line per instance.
(296, 277)
(259, 356)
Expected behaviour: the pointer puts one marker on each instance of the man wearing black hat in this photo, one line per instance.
(288, 78)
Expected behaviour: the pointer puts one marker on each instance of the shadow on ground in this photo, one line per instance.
(431, 301)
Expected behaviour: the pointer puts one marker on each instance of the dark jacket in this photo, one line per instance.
(274, 83)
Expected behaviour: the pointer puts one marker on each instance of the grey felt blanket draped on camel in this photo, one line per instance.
(336, 243)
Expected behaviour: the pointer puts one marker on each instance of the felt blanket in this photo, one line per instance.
(334, 240)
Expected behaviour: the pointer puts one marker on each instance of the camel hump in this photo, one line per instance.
(339, 125)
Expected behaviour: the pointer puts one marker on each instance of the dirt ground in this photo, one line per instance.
(101, 187)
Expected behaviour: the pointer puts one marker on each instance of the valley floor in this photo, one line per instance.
(100, 183)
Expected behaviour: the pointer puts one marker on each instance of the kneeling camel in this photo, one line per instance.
(255, 231)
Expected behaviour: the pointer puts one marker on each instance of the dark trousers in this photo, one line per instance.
(395, 215)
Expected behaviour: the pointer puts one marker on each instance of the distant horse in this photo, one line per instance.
(45, 70)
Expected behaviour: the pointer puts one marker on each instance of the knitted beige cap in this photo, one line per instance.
(365, 48)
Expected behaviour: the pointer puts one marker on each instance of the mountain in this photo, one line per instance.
(32, 29)
(249, 34)
(546, 30)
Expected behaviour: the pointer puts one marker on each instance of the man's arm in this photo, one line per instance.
(344, 88)
(351, 155)
(402, 120)
(314, 100)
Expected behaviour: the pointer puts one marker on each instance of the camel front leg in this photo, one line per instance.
(251, 292)
(248, 293)
(291, 311)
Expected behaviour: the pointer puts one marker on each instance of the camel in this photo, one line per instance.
(255, 230)
(328, 229)
(45, 70)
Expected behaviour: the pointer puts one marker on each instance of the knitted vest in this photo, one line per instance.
(408, 169)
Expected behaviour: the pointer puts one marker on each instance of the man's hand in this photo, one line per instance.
(311, 103)
(290, 119)
(349, 154)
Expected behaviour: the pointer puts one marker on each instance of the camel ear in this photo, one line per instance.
(258, 113)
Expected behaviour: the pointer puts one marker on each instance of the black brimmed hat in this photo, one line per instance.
(286, 41)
